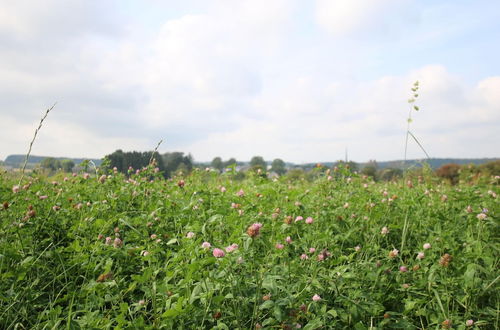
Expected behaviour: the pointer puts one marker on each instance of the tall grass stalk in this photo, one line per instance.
(155, 151)
(409, 120)
(33, 141)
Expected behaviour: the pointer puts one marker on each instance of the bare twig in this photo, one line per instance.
(33, 141)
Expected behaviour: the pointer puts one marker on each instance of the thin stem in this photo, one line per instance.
(154, 152)
(33, 141)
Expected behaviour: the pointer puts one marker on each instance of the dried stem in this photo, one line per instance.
(33, 141)
(154, 152)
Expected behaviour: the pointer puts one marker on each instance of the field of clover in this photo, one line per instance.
(207, 251)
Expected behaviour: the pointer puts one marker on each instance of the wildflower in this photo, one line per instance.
(405, 286)
(298, 326)
(190, 234)
(102, 178)
(446, 324)
(394, 253)
(427, 246)
(279, 246)
(420, 255)
(403, 269)
(299, 218)
(206, 245)
(240, 193)
(321, 257)
(481, 216)
(218, 253)
(181, 183)
(141, 302)
(117, 242)
(266, 297)
(86, 176)
(346, 205)
(223, 189)
(469, 323)
(288, 239)
(231, 248)
(254, 230)
(444, 198)
(240, 260)
(100, 236)
(316, 297)
(357, 248)
(15, 189)
(304, 256)
(56, 207)
(309, 220)
(312, 250)
(144, 253)
(153, 236)
(384, 231)
(108, 240)
(445, 260)
(468, 209)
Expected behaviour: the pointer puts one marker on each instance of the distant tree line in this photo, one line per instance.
(168, 163)
(53, 164)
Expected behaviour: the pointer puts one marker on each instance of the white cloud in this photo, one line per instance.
(453, 121)
(234, 79)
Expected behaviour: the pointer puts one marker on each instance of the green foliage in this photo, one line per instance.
(217, 163)
(51, 164)
(59, 270)
(258, 162)
(450, 172)
(278, 166)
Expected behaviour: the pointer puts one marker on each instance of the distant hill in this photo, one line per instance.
(18, 160)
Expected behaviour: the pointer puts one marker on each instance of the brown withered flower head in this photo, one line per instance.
(445, 260)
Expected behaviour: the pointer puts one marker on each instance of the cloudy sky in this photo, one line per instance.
(299, 80)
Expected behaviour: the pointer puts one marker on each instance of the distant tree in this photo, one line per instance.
(51, 164)
(172, 160)
(67, 165)
(450, 172)
(491, 168)
(135, 159)
(230, 162)
(257, 162)
(278, 166)
(370, 169)
(217, 163)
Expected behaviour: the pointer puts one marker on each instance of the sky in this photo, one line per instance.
(303, 81)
